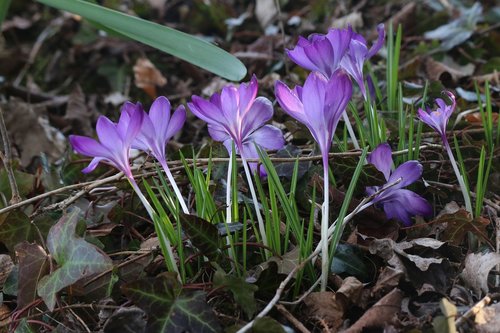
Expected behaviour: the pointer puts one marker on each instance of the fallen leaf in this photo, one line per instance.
(265, 11)
(78, 114)
(380, 314)
(75, 257)
(148, 77)
(488, 319)
(387, 280)
(325, 306)
(476, 270)
(6, 266)
(436, 69)
(459, 223)
(129, 319)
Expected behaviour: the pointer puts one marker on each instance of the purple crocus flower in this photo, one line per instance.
(322, 53)
(115, 140)
(397, 202)
(158, 127)
(358, 53)
(236, 114)
(438, 119)
(318, 105)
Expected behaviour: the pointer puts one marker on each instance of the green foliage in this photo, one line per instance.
(4, 9)
(203, 234)
(75, 257)
(16, 226)
(243, 292)
(176, 43)
(171, 309)
(349, 259)
(33, 264)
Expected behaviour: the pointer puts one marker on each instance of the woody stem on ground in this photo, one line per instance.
(260, 221)
(162, 236)
(460, 178)
(6, 157)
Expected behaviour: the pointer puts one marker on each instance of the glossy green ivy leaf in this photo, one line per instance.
(75, 257)
(169, 308)
(176, 43)
(203, 234)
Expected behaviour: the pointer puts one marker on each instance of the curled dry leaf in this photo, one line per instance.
(148, 77)
(380, 314)
(488, 319)
(6, 266)
(325, 306)
(477, 268)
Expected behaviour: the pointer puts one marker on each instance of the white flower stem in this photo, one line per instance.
(350, 130)
(229, 206)
(175, 187)
(260, 221)
(461, 182)
(324, 226)
(152, 215)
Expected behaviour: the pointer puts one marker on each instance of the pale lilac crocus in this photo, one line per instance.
(438, 120)
(319, 104)
(237, 116)
(158, 127)
(114, 148)
(358, 53)
(397, 202)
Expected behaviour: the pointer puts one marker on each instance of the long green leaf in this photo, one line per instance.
(176, 43)
(4, 8)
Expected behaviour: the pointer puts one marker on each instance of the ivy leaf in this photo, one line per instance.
(350, 260)
(33, 264)
(16, 227)
(369, 176)
(243, 292)
(459, 223)
(169, 308)
(75, 257)
(203, 234)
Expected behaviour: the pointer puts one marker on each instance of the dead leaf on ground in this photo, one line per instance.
(477, 268)
(148, 77)
(382, 313)
(388, 279)
(459, 223)
(265, 11)
(78, 114)
(438, 70)
(6, 266)
(325, 306)
(488, 319)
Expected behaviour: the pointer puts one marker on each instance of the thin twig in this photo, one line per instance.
(7, 161)
(290, 317)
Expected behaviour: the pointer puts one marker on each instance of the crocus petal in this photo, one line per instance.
(205, 110)
(380, 42)
(176, 122)
(259, 113)
(290, 101)
(268, 137)
(409, 171)
(381, 158)
(353, 63)
(229, 104)
(402, 204)
(92, 165)
(87, 146)
(313, 93)
(159, 113)
(107, 133)
(298, 55)
(321, 54)
(248, 151)
(247, 94)
(427, 118)
(340, 40)
(218, 132)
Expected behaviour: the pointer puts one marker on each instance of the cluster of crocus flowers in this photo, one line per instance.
(438, 120)
(237, 117)
(397, 202)
(135, 129)
(319, 105)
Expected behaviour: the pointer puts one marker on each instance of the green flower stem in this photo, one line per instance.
(260, 221)
(162, 236)
(175, 187)
(465, 193)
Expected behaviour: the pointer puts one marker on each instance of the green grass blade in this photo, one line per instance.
(4, 8)
(176, 43)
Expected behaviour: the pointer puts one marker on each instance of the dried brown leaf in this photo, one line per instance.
(477, 268)
(148, 77)
(325, 306)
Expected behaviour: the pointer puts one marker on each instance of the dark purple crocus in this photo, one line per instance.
(358, 53)
(115, 140)
(397, 202)
(439, 118)
(322, 53)
(237, 114)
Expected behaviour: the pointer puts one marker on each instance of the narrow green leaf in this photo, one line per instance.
(4, 8)
(176, 43)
